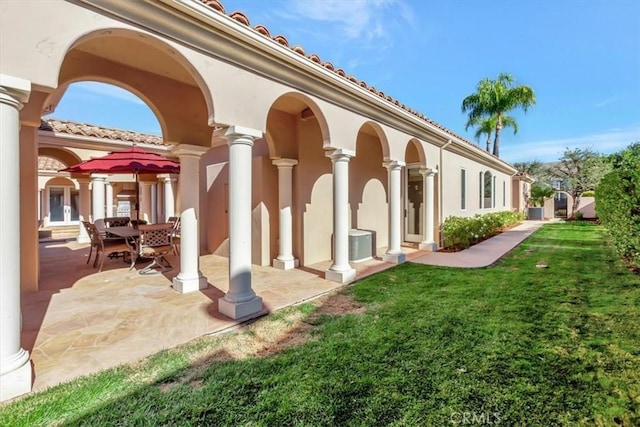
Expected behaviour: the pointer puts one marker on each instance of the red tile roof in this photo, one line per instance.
(242, 18)
(84, 129)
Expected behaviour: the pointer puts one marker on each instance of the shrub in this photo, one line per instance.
(588, 193)
(539, 193)
(618, 203)
(462, 232)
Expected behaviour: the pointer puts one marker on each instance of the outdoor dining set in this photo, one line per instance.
(134, 241)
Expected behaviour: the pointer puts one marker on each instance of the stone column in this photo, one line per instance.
(15, 368)
(429, 243)
(108, 199)
(154, 203)
(85, 210)
(169, 191)
(340, 271)
(394, 252)
(145, 200)
(190, 277)
(241, 300)
(97, 195)
(285, 260)
(29, 245)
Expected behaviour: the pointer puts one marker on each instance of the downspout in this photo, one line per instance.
(440, 169)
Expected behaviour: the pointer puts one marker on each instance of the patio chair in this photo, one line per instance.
(175, 234)
(94, 244)
(154, 242)
(105, 246)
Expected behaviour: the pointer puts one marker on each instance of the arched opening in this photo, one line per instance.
(368, 185)
(414, 192)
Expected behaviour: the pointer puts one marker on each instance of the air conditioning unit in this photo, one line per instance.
(361, 244)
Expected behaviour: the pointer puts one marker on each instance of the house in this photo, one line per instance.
(281, 154)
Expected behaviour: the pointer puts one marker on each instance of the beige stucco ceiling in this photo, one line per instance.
(128, 51)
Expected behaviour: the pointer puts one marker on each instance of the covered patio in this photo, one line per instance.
(81, 321)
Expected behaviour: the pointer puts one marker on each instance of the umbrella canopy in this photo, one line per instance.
(133, 160)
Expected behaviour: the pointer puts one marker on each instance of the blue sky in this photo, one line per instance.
(582, 58)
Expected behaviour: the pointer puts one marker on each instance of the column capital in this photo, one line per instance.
(236, 135)
(14, 91)
(167, 177)
(393, 164)
(98, 177)
(188, 150)
(340, 154)
(428, 171)
(285, 163)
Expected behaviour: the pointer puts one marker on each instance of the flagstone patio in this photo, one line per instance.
(82, 321)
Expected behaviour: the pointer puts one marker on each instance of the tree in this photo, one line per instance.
(486, 126)
(581, 169)
(539, 193)
(533, 168)
(618, 203)
(496, 98)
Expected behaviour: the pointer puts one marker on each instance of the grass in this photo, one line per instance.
(510, 344)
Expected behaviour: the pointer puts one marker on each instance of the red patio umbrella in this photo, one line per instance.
(133, 160)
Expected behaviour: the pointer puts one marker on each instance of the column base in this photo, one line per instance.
(238, 310)
(428, 246)
(16, 382)
(285, 264)
(398, 258)
(344, 276)
(189, 285)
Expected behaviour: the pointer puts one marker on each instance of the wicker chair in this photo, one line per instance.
(104, 246)
(154, 242)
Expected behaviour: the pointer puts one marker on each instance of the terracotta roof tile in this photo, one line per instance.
(49, 164)
(84, 129)
(261, 29)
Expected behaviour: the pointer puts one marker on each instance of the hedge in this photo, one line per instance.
(618, 203)
(461, 232)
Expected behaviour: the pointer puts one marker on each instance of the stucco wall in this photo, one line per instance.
(452, 163)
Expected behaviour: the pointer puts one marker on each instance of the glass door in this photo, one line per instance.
(64, 206)
(414, 206)
(56, 205)
(74, 206)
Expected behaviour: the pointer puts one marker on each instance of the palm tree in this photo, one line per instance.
(495, 98)
(486, 126)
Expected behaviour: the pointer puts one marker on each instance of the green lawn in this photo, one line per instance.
(511, 344)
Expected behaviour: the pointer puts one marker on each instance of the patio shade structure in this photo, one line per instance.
(133, 160)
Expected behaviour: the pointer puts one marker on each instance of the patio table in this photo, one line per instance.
(123, 231)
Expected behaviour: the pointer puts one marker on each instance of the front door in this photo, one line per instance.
(414, 205)
(63, 206)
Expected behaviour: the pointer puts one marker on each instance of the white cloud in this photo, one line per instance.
(350, 28)
(549, 150)
(605, 102)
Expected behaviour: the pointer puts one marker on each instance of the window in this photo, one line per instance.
(493, 193)
(463, 189)
(504, 193)
(481, 187)
(487, 199)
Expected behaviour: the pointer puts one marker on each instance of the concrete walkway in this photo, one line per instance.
(484, 253)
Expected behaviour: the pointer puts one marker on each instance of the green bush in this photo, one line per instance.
(618, 203)
(462, 232)
(540, 193)
(588, 193)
